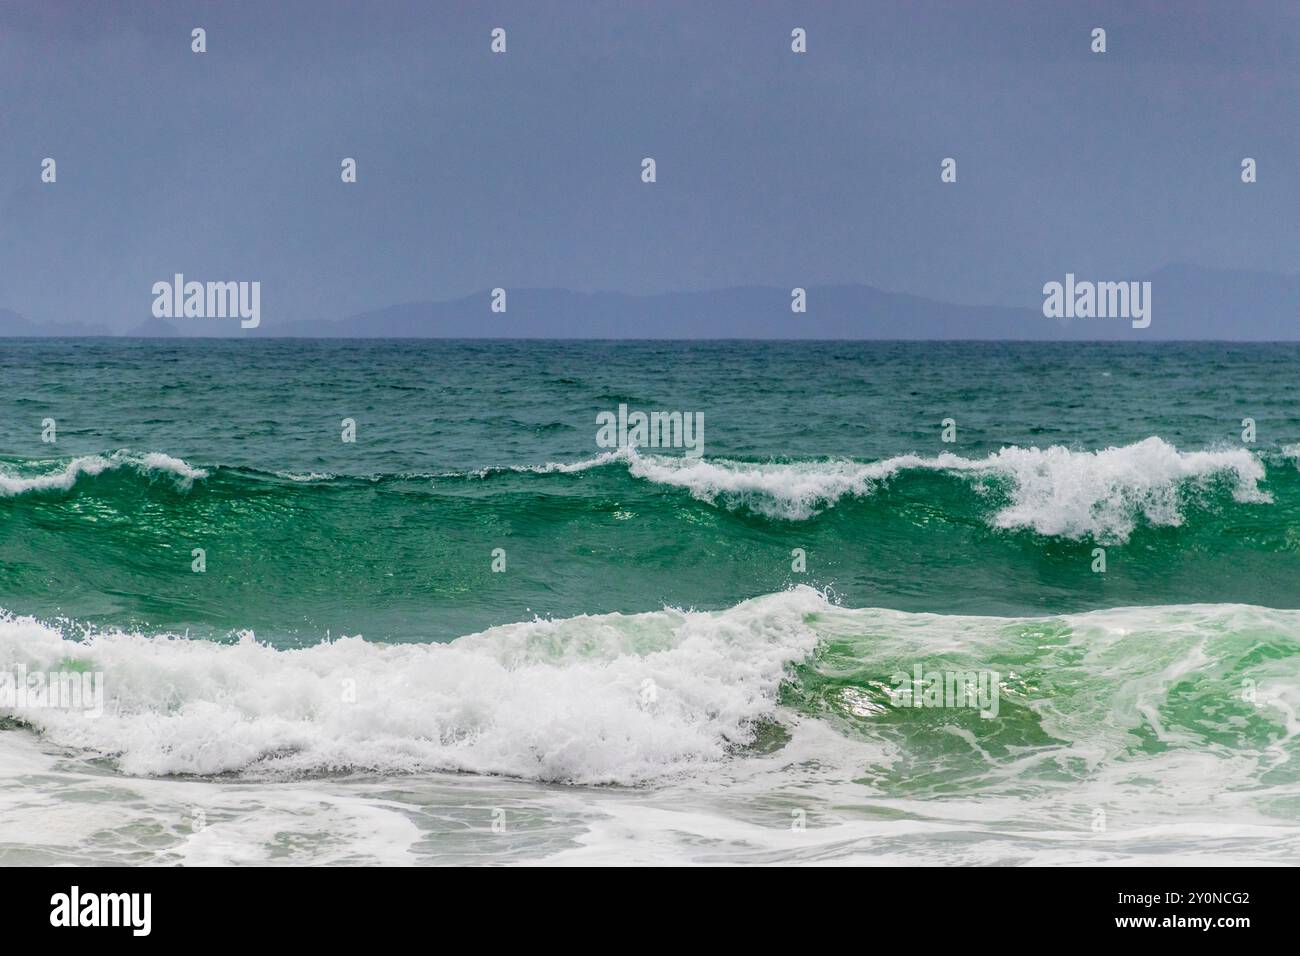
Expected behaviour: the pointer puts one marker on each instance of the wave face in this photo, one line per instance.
(110, 539)
(638, 698)
(1054, 491)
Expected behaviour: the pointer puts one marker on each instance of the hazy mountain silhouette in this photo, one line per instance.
(1188, 302)
(834, 312)
(13, 325)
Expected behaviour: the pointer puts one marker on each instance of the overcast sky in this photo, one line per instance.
(478, 170)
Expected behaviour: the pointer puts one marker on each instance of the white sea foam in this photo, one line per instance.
(568, 468)
(1102, 493)
(64, 477)
(550, 467)
(1053, 491)
(562, 701)
(794, 491)
(307, 477)
(592, 699)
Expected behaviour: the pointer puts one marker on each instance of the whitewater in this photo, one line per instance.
(473, 635)
(1137, 718)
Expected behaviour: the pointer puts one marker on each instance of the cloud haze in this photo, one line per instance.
(522, 170)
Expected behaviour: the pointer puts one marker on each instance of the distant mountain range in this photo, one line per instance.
(1188, 302)
(13, 325)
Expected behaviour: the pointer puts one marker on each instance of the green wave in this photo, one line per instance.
(410, 557)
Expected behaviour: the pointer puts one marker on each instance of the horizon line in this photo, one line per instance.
(540, 338)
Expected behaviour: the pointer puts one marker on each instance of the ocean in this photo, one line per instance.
(474, 634)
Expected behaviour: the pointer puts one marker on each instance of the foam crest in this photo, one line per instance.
(552, 467)
(61, 476)
(793, 491)
(1056, 491)
(590, 699)
(1052, 491)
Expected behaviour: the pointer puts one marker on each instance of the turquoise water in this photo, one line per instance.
(697, 650)
(392, 536)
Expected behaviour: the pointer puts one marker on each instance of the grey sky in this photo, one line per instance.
(478, 170)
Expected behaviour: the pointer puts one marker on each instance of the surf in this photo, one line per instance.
(643, 699)
(1054, 491)
(52, 475)
(108, 538)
